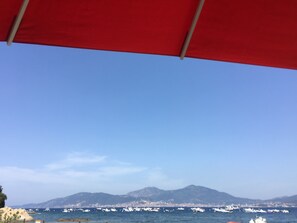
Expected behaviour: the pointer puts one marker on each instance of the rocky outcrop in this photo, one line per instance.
(14, 214)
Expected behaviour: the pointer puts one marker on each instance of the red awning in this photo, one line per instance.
(262, 32)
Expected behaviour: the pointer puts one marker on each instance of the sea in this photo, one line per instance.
(162, 215)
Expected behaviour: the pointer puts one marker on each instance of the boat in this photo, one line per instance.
(155, 209)
(278, 211)
(128, 209)
(147, 209)
(273, 211)
(222, 210)
(232, 207)
(31, 211)
(198, 210)
(252, 210)
(258, 220)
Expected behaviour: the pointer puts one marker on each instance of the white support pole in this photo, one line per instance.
(192, 28)
(17, 22)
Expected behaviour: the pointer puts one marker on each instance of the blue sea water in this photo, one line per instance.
(165, 215)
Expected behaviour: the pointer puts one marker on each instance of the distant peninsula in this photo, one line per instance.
(151, 196)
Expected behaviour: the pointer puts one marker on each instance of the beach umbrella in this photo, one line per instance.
(261, 32)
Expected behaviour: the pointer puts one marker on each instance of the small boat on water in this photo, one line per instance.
(128, 209)
(278, 211)
(198, 210)
(232, 207)
(106, 210)
(258, 220)
(67, 210)
(155, 209)
(252, 210)
(31, 211)
(86, 210)
(222, 210)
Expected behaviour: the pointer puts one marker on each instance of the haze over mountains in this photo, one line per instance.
(155, 196)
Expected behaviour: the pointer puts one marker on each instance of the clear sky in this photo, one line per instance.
(75, 120)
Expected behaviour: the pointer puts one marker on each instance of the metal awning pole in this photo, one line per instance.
(192, 28)
(17, 22)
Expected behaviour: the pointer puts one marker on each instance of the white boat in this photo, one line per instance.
(198, 210)
(252, 210)
(277, 211)
(66, 210)
(261, 211)
(31, 211)
(258, 220)
(232, 207)
(222, 210)
(147, 209)
(249, 210)
(155, 209)
(137, 209)
(86, 210)
(129, 209)
(273, 211)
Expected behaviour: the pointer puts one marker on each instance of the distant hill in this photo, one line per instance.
(287, 199)
(147, 192)
(151, 195)
(83, 199)
(191, 194)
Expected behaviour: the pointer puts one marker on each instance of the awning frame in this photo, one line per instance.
(191, 30)
(17, 22)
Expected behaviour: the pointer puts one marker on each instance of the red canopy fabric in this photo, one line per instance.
(261, 32)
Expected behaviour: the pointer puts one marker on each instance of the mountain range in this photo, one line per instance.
(190, 195)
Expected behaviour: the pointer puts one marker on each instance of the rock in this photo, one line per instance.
(15, 214)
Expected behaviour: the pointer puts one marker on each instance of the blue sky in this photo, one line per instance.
(76, 120)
